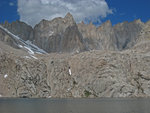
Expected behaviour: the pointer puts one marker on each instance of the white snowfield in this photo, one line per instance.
(34, 57)
(31, 48)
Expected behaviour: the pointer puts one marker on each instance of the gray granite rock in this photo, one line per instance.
(58, 35)
(20, 29)
(107, 37)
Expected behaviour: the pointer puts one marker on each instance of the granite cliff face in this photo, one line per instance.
(59, 35)
(105, 61)
(126, 34)
(107, 37)
(20, 29)
(100, 38)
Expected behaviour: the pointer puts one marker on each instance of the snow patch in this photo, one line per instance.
(27, 57)
(34, 47)
(5, 76)
(38, 52)
(34, 57)
(77, 51)
(20, 46)
(29, 50)
(68, 89)
(51, 33)
(49, 96)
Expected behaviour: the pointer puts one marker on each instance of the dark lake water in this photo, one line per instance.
(98, 105)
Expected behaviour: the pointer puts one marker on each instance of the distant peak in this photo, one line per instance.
(68, 15)
(107, 23)
(6, 22)
(91, 25)
(82, 22)
(138, 21)
(69, 18)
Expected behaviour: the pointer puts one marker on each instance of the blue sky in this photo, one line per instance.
(8, 10)
(122, 10)
(129, 10)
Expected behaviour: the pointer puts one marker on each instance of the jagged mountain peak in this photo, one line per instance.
(68, 15)
(59, 35)
(48, 34)
(106, 24)
(138, 21)
(6, 23)
(91, 25)
(69, 19)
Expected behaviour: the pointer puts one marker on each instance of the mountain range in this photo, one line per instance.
(105, 61)
(64, 35)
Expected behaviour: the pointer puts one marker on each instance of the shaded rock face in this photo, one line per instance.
(144, 39)
(98, 38)
(20, 29)
(106, 37)
(58, 35)
(145, 33)
(7, 39)
(126, 34)
(72, 40)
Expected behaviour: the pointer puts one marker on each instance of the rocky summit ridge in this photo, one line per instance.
(60, 58)
(64, 35)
